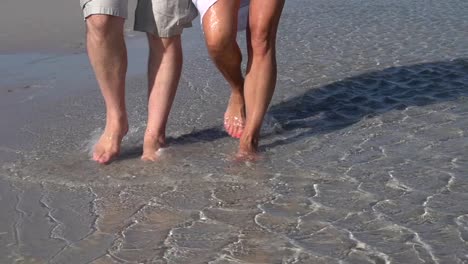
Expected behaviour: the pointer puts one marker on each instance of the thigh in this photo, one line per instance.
(264, 16)
(203, 6)
(117, 8)
(220, 20)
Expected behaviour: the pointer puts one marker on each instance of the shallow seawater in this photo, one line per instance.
(363, 156)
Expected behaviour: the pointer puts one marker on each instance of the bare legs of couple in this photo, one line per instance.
(248, 102)
(108, 57)
(219, 24)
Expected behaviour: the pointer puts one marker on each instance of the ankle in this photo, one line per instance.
(155, 136)
(237, 90)
(117, 117)
(117, 124)
(236, 98)
(249, 139)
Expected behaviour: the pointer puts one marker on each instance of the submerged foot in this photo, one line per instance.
(248, 150)
(108, 146)
(234, 117)
(152, 146)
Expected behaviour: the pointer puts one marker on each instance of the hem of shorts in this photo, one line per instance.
(99, 10)
(163, 33)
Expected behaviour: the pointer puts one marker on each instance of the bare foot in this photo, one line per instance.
(242, 156)
(234, 117)
(248, 149)
(108, 146)
(152, 146)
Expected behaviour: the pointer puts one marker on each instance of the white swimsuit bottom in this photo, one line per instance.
(204, 5)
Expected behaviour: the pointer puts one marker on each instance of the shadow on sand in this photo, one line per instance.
(345, 102)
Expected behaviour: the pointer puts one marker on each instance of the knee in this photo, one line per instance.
(217, 46)
(160, 45)
(172, 43)
(101, 26)
(262, 40)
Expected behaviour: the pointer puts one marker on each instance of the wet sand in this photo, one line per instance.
(45, 26)
(364, 151)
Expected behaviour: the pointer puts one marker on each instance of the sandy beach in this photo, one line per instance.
(364, 150)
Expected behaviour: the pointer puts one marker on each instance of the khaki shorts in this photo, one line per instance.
(163, 18)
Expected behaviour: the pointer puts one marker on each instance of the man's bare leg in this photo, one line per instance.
(220, 27)
(108, 57)
(164, 70)
(261, 75)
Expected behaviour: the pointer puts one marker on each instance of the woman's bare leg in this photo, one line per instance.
(220, 27)
(260, 80)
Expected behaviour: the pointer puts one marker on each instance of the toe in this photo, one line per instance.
(236, 133)
(96, 154)
(231, 131)
(148, 158)
(102, 160)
